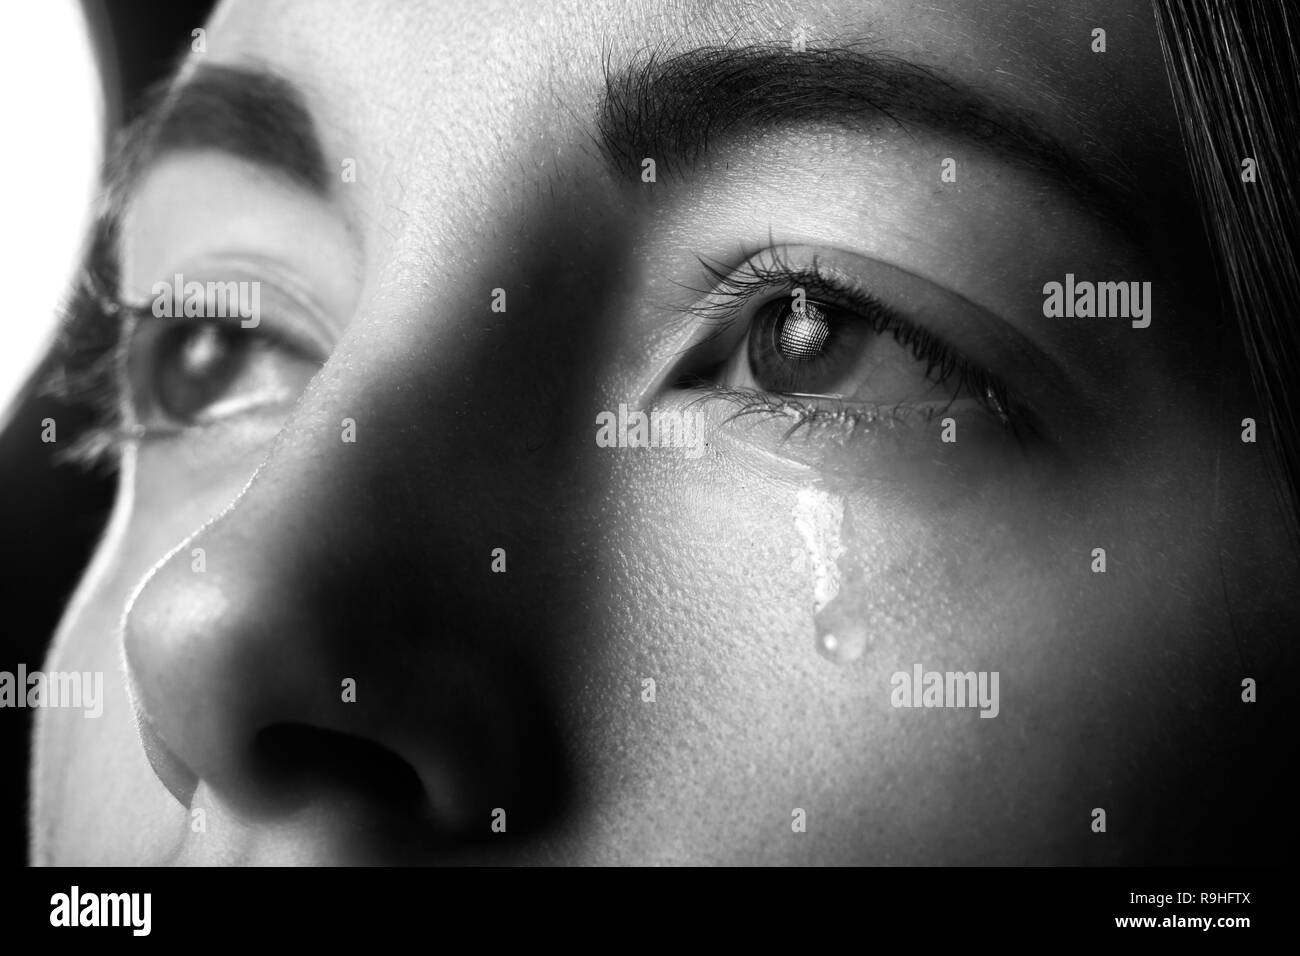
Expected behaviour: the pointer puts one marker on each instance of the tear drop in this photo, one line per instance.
(842, 646)
(841, 622)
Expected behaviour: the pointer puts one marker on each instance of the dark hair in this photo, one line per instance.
(1234, 72)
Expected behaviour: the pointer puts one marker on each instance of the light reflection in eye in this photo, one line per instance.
(824, 345)
(194, 365)
(801, 332)
(187, 372)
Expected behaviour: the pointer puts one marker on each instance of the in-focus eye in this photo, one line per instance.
(865, 353)
(828, 337)
(804, 346)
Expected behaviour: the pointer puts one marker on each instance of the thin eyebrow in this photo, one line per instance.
(674, 108)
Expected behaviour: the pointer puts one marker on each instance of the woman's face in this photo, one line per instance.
(679, 654)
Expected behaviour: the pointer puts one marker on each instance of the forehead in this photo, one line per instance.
(461, 89)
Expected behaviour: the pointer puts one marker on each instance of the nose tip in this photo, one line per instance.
(275, 699)
(176, 678)
(209, 675)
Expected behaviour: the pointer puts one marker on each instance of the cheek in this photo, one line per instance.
(732, 585)
(93, 786)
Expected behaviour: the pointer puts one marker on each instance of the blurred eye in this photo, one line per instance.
(196, 371)
(196, 366)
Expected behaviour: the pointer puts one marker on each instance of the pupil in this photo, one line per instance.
(802, 332)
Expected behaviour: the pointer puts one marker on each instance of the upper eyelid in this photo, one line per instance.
(705, 320)
(96, 330)
(914, 337)
(732, 291)
(142, 318)
(816, 284)
(983, 337)
(309, 336)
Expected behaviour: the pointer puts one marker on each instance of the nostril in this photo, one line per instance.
(295, 763)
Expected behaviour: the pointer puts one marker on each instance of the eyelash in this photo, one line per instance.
(88, 369)
(732, 290)
(86, 366)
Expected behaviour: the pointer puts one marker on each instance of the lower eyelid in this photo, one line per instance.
(802, 409)
(855, 440)
(243, 404)
(263, 420)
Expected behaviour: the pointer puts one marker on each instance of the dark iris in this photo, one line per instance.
(195, 365)
(793, 349)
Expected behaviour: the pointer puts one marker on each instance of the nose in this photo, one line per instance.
(309, 665)
(349, 654)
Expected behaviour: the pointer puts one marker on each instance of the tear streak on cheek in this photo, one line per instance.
(868, 587)
(819, 519)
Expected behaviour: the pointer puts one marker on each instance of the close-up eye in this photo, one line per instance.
(813, 339)
(798, 346)
(866, 353)
(184, 372)
(194, 366)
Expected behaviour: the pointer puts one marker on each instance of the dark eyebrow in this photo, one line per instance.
(248, 113)
(251, 114)
(673, 108)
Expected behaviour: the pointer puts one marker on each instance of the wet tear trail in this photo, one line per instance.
(841, 605)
